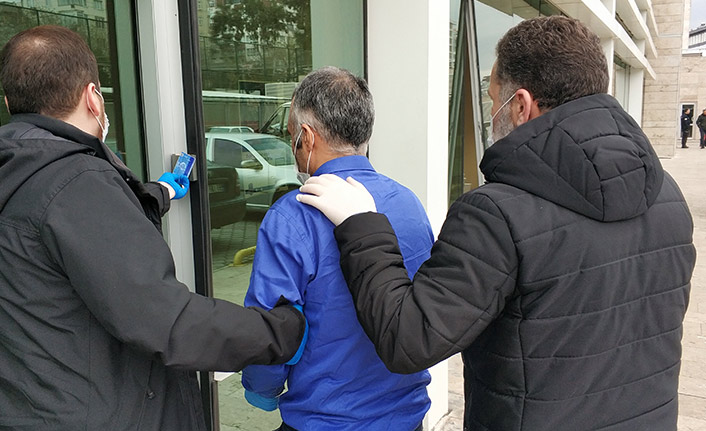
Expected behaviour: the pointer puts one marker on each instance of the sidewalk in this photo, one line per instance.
(688, 167)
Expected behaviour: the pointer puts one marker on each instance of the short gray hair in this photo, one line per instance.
(338, 105)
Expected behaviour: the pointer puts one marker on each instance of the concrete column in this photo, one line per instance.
(660, 115)
(408, 70)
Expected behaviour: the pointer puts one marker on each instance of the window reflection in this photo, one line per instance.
(253, 53)
(90, 20)
(492, 20)
(483, 22)
(463, 172)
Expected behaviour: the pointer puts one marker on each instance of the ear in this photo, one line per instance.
(7, 105)
(94, 103)
(525, 109)
(308, 138)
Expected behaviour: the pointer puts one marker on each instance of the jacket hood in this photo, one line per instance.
(32, 141)
(587, 155)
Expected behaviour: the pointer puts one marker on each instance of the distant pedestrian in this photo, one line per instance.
(685, 126)
(701, 124)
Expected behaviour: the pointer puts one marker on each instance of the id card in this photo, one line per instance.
(184, 164)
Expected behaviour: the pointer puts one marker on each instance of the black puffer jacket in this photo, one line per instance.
(564, 280)
(96, 333)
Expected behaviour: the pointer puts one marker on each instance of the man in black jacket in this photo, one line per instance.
(96, 333)
(564, 280)
(701, 124)
(685, 126)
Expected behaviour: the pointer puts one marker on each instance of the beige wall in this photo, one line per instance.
(692, 87)
(661, 102)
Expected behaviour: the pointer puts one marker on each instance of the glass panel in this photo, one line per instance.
(621, 81)
(250, 65)
(463, 163)
(109, 33)
(492, 20)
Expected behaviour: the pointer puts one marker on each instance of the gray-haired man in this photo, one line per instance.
(340, 383)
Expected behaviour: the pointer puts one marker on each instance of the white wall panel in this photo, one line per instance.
(408, 60)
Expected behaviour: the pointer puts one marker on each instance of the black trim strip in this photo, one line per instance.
(195, 138)
(365, 53)
(365, 39)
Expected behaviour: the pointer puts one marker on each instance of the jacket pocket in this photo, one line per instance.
(137, 375)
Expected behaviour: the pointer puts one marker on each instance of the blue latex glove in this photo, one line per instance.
(297, 356)
(180, 183)
(264, 403)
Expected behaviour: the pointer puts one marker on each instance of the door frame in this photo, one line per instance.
(196, 144)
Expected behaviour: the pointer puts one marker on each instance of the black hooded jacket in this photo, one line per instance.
(96, 333)
(701, 122)
(564, 280)
(685, 122)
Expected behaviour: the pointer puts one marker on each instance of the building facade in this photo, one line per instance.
(662, 107)
(692, 78)
(173, 70)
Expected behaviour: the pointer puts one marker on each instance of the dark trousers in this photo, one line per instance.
(684, 137)
(703, 137)
(285, 427)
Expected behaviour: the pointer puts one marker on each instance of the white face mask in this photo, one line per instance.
(301, 176)
(491, 138)
(104, 129)
(106, 123)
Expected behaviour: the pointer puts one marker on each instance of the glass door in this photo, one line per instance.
(241, 73)
(108, 28)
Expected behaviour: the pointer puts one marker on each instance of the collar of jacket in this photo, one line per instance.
(587, 155)
(63, 130)
(74, 134)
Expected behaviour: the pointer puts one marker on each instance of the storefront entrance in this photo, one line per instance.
(236, 106)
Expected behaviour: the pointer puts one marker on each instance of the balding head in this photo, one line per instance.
(45, 69)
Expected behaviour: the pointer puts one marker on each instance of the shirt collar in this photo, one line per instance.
(345, 163)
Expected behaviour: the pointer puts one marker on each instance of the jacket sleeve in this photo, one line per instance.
(454, 296)
(159, 195)
(120, 266)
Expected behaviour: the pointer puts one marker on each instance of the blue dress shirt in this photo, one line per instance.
(339, 383)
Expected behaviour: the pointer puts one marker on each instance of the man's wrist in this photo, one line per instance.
(169, 188)
(264, 403)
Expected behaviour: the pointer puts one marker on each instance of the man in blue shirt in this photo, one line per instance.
(339, 383)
